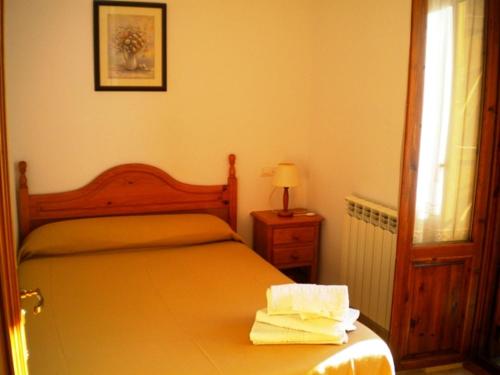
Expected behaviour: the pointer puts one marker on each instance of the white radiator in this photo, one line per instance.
(368, 258)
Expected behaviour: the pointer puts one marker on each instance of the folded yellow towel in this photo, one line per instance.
(263, 333)
(309, 300)
(317, 325)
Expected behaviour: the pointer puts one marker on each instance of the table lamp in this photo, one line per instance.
(286, 176)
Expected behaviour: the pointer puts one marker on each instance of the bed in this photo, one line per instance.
(142, 274)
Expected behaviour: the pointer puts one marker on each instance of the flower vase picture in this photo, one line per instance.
(130, 46)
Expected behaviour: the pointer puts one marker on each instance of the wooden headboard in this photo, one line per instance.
(128, 189)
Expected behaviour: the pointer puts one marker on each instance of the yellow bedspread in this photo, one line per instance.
(185, 310)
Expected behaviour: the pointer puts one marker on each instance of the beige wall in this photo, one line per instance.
(238, 81)
(361, 63)
(321, 83)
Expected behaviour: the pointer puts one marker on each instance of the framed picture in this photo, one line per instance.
(130, 46)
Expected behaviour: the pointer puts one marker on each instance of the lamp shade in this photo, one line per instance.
(286, 175)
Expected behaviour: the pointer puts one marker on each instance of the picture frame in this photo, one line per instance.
(130, 46)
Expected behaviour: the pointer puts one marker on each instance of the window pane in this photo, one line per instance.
(450, 120)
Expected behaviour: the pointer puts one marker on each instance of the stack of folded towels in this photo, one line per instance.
(304, 314)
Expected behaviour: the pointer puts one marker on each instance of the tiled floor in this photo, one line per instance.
(459, 371)
(437, 371)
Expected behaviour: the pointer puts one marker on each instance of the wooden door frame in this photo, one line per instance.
(12, 359)
(491, 255)
(411, 145)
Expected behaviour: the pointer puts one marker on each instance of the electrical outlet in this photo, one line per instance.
(267, 172)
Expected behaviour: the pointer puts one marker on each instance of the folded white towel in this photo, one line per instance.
(352, 317)
(309, 300)
(324, 326)
(263, 333)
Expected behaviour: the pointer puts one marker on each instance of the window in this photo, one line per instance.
(450, 120)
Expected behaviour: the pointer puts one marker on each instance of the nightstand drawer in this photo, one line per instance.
(293, 235)
(289, 243)
(293, 255)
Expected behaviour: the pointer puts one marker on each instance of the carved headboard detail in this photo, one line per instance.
(128, 189)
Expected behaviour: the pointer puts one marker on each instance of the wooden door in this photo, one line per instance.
(486, 335)
(12, 359)
(436, 282)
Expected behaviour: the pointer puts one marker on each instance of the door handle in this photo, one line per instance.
(24, 293)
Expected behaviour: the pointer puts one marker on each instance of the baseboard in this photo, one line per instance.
(378, 329)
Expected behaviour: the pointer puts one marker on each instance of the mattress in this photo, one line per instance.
(171, 310)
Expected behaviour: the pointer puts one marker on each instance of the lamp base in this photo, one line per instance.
(284, 213)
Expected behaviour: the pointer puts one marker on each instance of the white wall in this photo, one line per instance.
(321, 83)
(238, 81)
(361, 64)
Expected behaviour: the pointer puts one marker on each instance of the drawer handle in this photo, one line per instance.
(296, 237)
(294, 257)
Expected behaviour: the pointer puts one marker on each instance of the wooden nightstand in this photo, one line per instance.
(289, 243)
